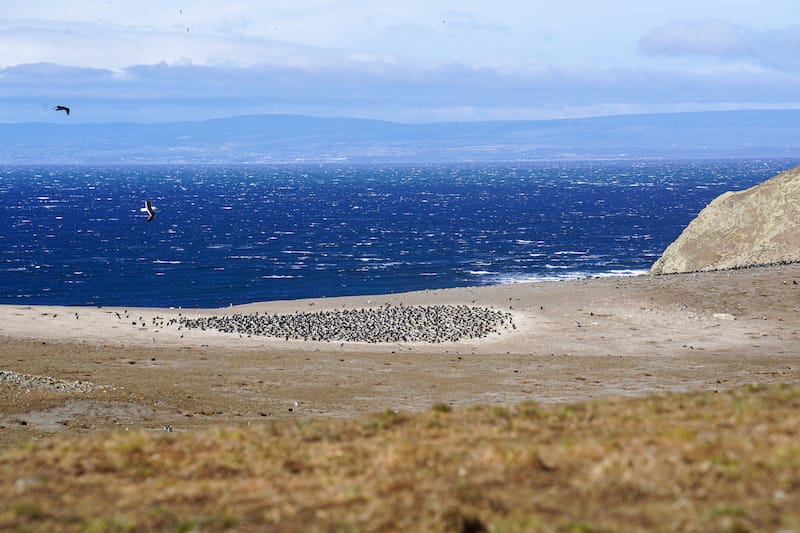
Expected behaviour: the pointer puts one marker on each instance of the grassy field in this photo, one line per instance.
(727, 461)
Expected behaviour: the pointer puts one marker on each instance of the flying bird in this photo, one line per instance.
(62, 108)
(150, 210)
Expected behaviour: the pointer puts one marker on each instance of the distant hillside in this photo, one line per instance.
(287, 138)
(758, 226)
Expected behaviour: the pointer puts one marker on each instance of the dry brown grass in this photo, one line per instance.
(727, 461)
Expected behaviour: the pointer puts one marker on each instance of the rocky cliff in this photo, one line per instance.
(757, 226)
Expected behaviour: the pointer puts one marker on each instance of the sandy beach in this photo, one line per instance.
(570, 341)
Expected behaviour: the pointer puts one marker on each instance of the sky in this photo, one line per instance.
(412, 61)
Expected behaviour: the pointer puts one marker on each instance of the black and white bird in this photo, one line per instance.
(150, 210)
(62, 108)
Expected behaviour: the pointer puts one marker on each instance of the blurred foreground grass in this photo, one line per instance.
(727, 461)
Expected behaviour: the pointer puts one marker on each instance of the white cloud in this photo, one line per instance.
(776, 48)
(375, 89)
(709, 37)
(117, 47)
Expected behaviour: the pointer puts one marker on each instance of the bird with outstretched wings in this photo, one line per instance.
(150, 210)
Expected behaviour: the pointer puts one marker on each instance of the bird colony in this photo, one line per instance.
(431, 324)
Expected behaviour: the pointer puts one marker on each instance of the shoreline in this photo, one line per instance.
(573, 340)
(508, 280)
(133, 326)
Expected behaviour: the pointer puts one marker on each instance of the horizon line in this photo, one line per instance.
(66, 122)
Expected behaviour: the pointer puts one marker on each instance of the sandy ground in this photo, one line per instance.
(573, 340)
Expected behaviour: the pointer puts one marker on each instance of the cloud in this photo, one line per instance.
(777, 48)
(451, 22)
(469, 23)
(711, 37)
(110, 46)
(372, 88)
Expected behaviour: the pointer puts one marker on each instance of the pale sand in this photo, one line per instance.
(573, 340)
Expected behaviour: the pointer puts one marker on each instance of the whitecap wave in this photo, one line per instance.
(509, 279)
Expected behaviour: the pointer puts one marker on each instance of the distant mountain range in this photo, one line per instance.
(289, 138)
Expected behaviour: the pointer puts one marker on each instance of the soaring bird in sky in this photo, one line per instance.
(62, 108)
(150, 210)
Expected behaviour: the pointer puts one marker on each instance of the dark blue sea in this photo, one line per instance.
(235, 234)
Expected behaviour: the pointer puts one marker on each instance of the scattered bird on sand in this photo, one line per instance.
(62, 108)
(150, 210)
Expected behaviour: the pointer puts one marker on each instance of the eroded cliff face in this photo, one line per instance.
(757, 226)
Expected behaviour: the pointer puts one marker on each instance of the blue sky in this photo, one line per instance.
(412, 61)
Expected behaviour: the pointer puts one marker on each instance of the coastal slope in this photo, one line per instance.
(755, 227)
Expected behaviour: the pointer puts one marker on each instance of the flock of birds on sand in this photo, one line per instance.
(389, 323)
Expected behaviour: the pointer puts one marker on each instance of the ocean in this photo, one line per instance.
(75, 235)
